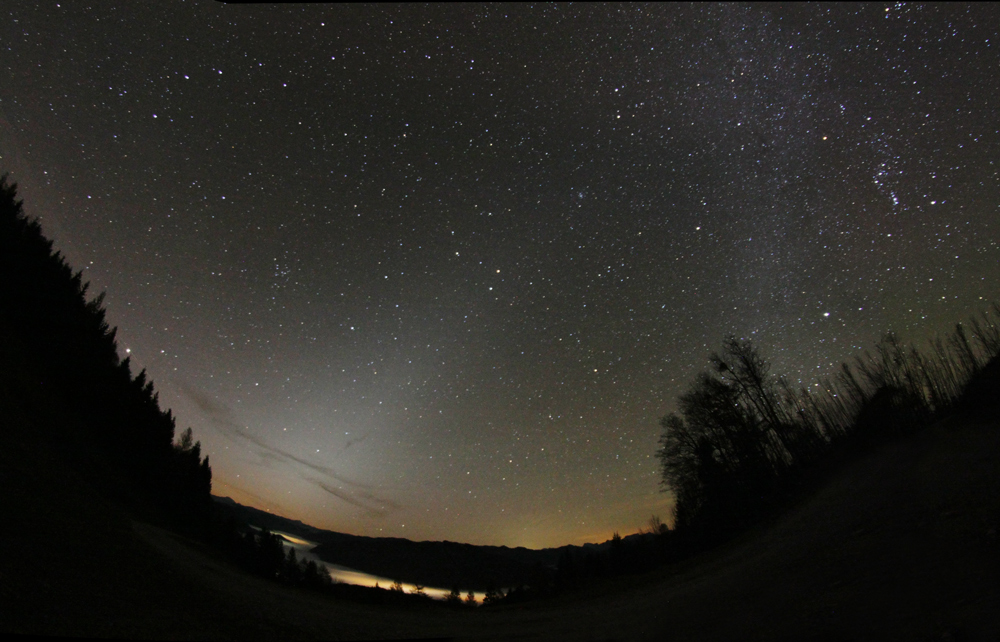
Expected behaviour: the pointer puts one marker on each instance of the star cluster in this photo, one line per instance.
(437, 272)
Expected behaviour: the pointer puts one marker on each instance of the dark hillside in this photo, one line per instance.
(982, 394)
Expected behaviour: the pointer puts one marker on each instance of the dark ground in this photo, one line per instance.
(900, 544)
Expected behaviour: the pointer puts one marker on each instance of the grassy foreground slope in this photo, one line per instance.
(899, 544)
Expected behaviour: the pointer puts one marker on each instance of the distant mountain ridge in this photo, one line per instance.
(442, 564)
(270, 521)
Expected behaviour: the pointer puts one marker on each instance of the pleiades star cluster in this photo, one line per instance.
(436, 272)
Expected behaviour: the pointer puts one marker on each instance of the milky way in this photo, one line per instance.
(437, 272)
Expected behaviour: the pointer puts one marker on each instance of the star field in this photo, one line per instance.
(437, 272)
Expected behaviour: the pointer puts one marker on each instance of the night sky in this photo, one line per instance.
(437, 272)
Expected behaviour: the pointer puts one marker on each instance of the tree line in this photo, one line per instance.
(61, 362)
(744, 438)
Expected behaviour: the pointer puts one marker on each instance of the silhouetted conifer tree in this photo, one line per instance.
(492, 595)
(59, 342)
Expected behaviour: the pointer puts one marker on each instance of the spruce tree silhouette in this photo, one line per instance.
(61, 348)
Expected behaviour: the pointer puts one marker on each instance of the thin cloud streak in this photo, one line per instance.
(374, 506)
(221, 417)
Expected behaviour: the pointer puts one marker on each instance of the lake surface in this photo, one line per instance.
(346, 575)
